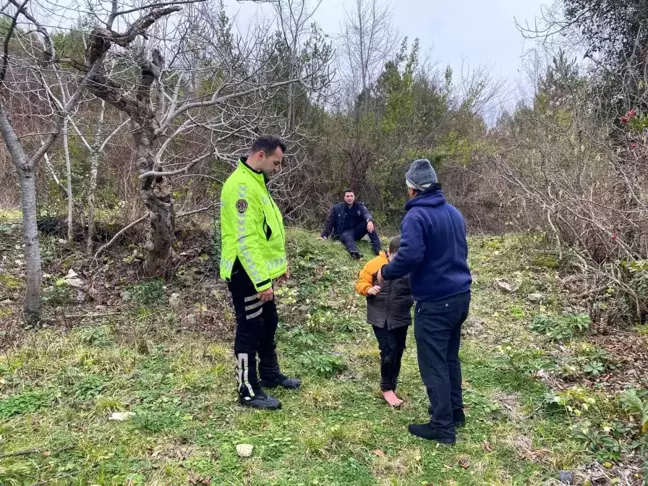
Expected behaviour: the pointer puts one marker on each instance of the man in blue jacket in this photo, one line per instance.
(434, 253)
(349, 222)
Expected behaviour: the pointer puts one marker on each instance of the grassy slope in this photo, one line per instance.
(58, 388)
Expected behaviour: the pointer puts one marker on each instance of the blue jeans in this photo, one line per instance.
(437, 329)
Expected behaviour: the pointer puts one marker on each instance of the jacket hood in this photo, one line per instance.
(432, 197)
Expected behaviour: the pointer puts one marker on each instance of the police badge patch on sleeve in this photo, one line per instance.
(241, 205)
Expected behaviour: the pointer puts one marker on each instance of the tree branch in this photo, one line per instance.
(219, 99)
(5, 56)
(185, 169)
(119, 233)
(112, 134)
(155, 5)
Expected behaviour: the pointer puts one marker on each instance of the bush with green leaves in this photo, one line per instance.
(148, 292)
(610, 428)
(587, 359)
(562, 328)
(635, 403)
(523, 360)
(325, 365)
(23, 403)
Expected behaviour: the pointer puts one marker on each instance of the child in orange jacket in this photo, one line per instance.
(389, 312)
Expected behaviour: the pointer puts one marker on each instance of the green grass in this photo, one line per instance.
(58, 389)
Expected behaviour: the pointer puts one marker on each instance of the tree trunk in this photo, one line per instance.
(157, 195)
(68, 173)
(27, 177)
(94, 171)
(159, 201)
(32, 246)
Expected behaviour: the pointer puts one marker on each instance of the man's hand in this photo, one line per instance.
(285, 277)
(370, 227)
(375, 290)
(380, 278)
(266, 295)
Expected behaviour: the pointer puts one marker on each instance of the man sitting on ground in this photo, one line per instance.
(349, 222)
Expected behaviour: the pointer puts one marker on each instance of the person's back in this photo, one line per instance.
(391, 307)
(434, 251)
(443, 270)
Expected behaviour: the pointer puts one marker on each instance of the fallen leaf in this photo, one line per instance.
(464, 462)
(47, 453)
(487, 446)
(379, 453)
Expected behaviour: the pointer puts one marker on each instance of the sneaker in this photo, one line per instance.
(356, 255)
(428, 432)
(260, 401)
(283, 382)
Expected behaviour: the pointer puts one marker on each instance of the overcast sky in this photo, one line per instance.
(478, 32)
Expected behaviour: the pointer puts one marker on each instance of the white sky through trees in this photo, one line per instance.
(468, 33)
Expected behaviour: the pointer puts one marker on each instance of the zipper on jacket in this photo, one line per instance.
(275, 207)
(275, 210)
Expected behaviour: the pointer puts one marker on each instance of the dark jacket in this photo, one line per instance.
(392, 307)
(433, 249)
(337, 216)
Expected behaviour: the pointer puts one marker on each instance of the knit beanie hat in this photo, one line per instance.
(421, 175)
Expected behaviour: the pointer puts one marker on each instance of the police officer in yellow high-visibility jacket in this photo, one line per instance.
(253, 255)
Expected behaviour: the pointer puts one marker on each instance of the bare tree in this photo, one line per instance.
(189, 81)
(368, 40)
(294, 18)
(96, 146)
(33, 55)
(583, 181)
(481, 92)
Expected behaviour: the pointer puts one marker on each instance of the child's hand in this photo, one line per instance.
(375, 290)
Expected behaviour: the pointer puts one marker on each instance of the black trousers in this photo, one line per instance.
(256, 325)
(349, 238)
(437, 328)
(391, 343)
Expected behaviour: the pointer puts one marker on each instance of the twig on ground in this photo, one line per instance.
(28, 452)
(92, 314)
